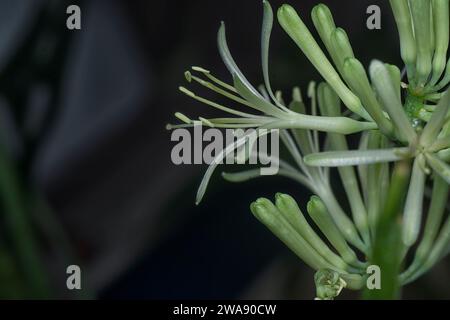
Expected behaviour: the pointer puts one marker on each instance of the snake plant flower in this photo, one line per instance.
(328, 284)
(397, 121)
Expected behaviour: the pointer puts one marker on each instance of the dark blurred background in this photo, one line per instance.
(86, 175)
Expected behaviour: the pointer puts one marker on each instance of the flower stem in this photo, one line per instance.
(387, 245)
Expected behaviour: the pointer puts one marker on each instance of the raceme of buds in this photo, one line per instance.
(399, 124)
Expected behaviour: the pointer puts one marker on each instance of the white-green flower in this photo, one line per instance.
(398, 121)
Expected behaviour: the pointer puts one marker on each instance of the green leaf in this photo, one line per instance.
(265, 43)
(300, 34)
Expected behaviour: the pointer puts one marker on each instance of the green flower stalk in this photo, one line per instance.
(400, 123)
(298, 31)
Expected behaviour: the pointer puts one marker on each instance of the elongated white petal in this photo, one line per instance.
(340, 125)
(265, 41)
(229, 61)
(355, 157)
(218, 160)
(412, 216)
(256, 101)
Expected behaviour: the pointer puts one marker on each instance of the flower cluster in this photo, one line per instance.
(400, 118)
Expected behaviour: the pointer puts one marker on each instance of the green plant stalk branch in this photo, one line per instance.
(388, 242)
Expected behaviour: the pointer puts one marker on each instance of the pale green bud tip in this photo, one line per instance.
(254, 208)
(285, 198)
(340, 34)
(281, 200)
(322, 12)
(375, 67)
(264, 202)
(287, 12)
(315, 204)
(280, 195)
(353, 65)
(261, 209)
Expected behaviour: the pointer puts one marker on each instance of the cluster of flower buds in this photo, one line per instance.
(399, 118)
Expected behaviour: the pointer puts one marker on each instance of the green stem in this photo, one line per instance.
(387, 245)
